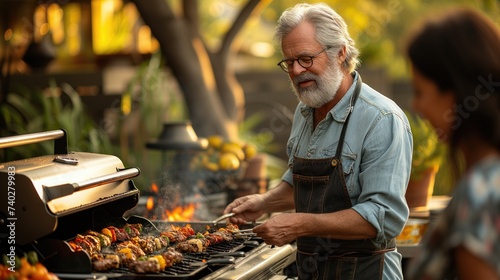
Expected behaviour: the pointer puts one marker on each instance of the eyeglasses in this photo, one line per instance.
(306, 61)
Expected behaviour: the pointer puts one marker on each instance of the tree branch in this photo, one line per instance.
(190, 10)
(251, 7)
(230, 92)
(188, 64)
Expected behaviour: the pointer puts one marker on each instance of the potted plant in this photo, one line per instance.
(428, 154)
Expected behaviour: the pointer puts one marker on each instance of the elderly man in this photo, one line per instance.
(349, 154)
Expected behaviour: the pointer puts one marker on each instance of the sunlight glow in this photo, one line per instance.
(262, 49)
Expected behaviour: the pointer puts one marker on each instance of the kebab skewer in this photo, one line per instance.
(136, 251)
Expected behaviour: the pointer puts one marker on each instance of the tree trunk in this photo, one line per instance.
(184, 56)
(213, 96)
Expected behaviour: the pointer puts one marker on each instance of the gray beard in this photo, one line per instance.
(323, 91)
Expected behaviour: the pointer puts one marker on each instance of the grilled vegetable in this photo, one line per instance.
(133, 229)
(110, 233)
(27, 268)
(129, 247)
(161, 261)
(104, 240)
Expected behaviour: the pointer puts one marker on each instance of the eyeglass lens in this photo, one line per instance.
(304, 61)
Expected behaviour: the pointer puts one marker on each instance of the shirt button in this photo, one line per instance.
(334, 162)
(309, 154)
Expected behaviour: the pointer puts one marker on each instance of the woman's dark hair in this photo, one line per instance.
(460, 52)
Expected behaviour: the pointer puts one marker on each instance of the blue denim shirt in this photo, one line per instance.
(376, 158)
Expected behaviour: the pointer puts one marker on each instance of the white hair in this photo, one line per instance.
(331, 30)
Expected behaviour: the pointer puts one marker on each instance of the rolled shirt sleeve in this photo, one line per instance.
(376, 156)
(383, 176)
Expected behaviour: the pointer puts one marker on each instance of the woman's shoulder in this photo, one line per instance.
(480, 185)
(485, 173)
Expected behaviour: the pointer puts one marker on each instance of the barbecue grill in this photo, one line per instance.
(48, 200)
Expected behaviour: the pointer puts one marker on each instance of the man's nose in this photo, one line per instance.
(297, 69)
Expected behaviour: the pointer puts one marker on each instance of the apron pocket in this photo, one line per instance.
(310, 193)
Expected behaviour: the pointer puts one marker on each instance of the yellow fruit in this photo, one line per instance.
(215, 141)
(234, 148)
(212, 166)
(250, 151)
(229, 161)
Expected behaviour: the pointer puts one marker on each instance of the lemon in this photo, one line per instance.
(230, 147)
(250, 151)
(215, 141)
(212, 166)
(229, 161)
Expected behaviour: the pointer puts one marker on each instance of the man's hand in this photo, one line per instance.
(247, 208)
(281, 229)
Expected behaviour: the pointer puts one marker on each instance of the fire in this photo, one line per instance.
(184, 212)
(150, 203)
(154, 188)
(181, 213)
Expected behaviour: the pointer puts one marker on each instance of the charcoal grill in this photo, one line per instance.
(59, 196)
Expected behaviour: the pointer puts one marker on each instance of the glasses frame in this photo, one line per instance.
(287, 64)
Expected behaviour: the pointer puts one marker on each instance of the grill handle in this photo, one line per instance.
(60, 145)
(53, 192)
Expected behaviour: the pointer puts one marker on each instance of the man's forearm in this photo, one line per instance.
(345, 224)
(280, 198)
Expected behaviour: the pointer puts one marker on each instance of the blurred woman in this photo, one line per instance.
(455, 62)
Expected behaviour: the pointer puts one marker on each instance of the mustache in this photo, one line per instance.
(304, 77)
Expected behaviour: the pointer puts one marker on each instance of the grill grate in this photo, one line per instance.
(184, 269)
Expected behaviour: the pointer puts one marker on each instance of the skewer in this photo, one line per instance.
(244, 230)
(236, 234)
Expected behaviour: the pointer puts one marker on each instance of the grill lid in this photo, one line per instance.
(46, 188)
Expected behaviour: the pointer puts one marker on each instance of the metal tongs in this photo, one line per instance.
(228, 215)
(244, 232)
(238, 233)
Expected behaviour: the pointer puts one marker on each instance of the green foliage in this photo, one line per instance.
(30, 111)
(264, 143)
(147, 102)
(263, 140)
(428, 151)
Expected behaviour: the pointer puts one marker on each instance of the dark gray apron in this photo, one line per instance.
(320, 187)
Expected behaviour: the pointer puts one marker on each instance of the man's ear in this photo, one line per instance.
(342, 55)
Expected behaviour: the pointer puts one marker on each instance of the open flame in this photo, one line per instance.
(154, 187)
(150, 203)
(181, 213)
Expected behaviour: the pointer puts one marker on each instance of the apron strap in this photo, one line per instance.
(355, 95)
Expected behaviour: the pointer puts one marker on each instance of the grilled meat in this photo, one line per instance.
(126, 256)
(135, 249)
(172, 257)
(178, 234)
(105, 262)
(149, 265)
(114, 247)
(104, 240)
